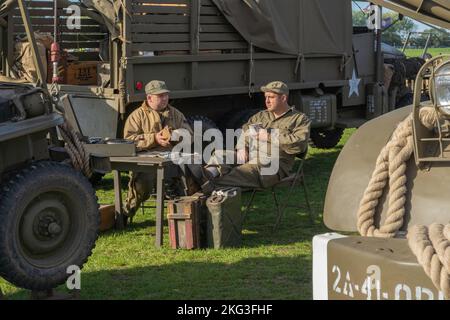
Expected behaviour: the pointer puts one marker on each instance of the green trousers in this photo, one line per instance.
(246, 176)
(143, 185)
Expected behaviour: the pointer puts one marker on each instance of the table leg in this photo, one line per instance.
(159, 206)
(118, 200)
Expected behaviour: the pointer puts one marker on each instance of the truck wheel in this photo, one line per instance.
(326, 139)
(207, 123)
(48, 221)
(238, 119)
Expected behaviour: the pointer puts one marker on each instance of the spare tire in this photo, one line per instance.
(49, 221)
(207, 123)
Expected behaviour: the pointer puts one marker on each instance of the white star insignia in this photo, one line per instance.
(354, 85)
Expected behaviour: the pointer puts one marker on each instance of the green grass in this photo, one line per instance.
(433, 51)
(126, 265)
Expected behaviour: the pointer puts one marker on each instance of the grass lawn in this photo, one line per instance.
(126, 265)
(433, 51)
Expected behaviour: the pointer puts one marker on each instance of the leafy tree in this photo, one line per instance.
(394, 33)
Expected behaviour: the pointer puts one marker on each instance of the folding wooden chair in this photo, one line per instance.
(290, 181)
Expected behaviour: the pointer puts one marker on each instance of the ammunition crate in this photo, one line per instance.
(82, 73)
(184, 216)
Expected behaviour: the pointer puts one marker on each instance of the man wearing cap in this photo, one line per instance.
(149, 128)
(292, 128)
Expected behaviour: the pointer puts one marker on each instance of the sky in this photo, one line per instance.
(364, 4)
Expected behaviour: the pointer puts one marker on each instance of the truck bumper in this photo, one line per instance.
(364, 268)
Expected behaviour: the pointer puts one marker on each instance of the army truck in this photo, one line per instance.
(389, 184)
(48, 210)
(214, 56)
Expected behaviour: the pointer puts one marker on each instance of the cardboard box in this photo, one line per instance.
(82, 73)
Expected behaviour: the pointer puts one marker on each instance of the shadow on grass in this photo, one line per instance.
(251, 278)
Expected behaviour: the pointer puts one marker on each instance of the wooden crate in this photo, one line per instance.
(82, 73)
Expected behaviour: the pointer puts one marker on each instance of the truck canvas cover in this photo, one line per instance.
(292, 26)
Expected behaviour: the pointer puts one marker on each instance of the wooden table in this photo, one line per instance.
(141, 164)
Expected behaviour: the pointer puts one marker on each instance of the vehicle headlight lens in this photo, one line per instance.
(442, 83)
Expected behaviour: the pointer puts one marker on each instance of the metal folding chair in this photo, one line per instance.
(290, 181)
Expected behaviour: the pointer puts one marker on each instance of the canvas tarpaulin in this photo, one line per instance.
(292, 26)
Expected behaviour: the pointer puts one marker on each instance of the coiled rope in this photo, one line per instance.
(430, 245)
(74, 147)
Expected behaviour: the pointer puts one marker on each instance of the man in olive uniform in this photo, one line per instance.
(292, 128)
(148, 127)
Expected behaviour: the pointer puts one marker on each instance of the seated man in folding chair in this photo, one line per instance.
(147, 127)
(251, 166)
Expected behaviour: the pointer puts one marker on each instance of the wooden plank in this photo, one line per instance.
(160, 46)
(210, 11)
(49, 29)
(195, 26)
(160, 28)
(161, 1)
(160, 10)
(207, 3)
(10, 43)
(49, 21)
(208, 37)
(45, 4)
(44, 12)
(83, 37)
(217, 28)
(213, 20)
(195, 40)
(86, 56)
(127, 29)
(79, 45)
(223, 45)
(167, 37)
(169, 19)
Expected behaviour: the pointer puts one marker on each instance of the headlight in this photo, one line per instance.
(442, 85)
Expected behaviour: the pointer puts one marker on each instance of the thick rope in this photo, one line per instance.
(431, 245)
(74, 147)
(432, 248)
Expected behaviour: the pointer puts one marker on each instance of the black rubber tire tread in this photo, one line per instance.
(206, 122)
(96, 178)
(238, 119)
(13, 265)
(326, 139)
(406, 100)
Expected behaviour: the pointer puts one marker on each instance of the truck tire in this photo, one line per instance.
(326, 139)
(207, 123)
(238, 119)
(49, 221)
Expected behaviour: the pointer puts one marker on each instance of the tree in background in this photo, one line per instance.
(439, 39)
(394, 34)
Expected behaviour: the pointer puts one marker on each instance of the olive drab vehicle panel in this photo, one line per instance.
(362, 268)
(354, 167)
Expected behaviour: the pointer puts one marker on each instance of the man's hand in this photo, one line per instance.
(163, 142)
(263, 135)
(242, 156)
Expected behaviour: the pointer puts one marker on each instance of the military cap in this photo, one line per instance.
(156, 87)
(276, 87)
